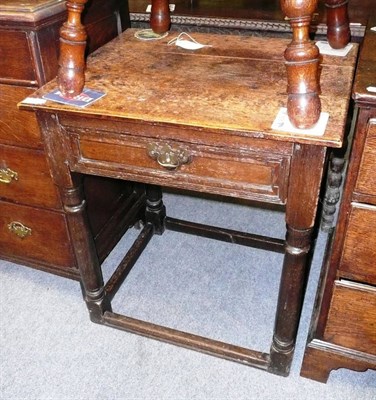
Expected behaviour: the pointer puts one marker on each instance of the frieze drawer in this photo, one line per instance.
(31, 234)
(241, 173)
(25, 177)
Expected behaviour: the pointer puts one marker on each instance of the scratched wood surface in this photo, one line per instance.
(237, 85)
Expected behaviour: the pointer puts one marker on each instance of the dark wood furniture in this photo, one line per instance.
(343, 331)
(33, 227)
(197, 121)
(247, 16)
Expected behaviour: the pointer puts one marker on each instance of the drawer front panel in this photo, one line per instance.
(15, 57)
(25, 178)
(17, 127)
(366, 182)
(46, 242)
(352, 317)
(242, 174)
(359, 253)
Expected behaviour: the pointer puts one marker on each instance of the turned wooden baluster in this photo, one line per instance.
(160, 16)
(71, 73)
(337, 20)
(302, 64)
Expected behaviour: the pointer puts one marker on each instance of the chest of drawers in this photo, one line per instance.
(33, 228)
(343, 333)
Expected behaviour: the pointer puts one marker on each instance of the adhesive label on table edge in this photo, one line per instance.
(282, 123)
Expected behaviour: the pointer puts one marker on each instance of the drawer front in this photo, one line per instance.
(366, 181)
(25, 177)
(359, 252)
(352, 317)
(17, 127)
(15, 58)
(240, 173)
(45, 234)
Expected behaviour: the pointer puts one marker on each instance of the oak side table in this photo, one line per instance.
(198, 120)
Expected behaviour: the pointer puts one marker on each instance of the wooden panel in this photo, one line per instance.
(240, 173)
(366, 182)
(48, 242)
(17, 127)
(359, 252)
(15, 58)
(34, 185)
(352, 317)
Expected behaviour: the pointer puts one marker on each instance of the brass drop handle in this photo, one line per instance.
(7, 175)
(167, 156)
(19, 229)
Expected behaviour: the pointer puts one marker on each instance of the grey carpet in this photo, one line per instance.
(50, 350)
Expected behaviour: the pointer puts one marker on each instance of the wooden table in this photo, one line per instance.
(199, 121)
(301, 55)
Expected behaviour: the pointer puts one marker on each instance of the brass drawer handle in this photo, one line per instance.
(19, 229)
(7, 175)
(167, 156)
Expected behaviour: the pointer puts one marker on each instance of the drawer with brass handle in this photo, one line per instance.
(242, 172)
(25, 235)
(25, 178)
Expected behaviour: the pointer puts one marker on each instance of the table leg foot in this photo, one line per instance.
(338, 23)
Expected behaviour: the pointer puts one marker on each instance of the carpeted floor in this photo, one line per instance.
(50, 350)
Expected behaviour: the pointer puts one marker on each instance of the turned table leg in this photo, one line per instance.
(71, 73)
(74, 205)
(301, 207)
(338, 23)
(302, 64)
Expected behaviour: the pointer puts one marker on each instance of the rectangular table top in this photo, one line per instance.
(236, 85)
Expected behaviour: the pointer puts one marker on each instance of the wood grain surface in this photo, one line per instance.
(238, 85)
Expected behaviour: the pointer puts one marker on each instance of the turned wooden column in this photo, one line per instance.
(302, 64)
(160, 16)
(71, 73)
(301, 208)
(337, 20)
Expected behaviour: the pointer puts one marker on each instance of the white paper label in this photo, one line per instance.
(282, 123)
(371, 89)
(171, 6)
(189, 43)
(33, 100)
(325, 48)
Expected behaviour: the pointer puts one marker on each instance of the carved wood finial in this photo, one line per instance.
(337, 20)
(302, 64)
(71, 73)
(160, 16)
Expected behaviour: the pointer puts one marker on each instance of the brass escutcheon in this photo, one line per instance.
(19, 229)
(167, 156)
(7, 175)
